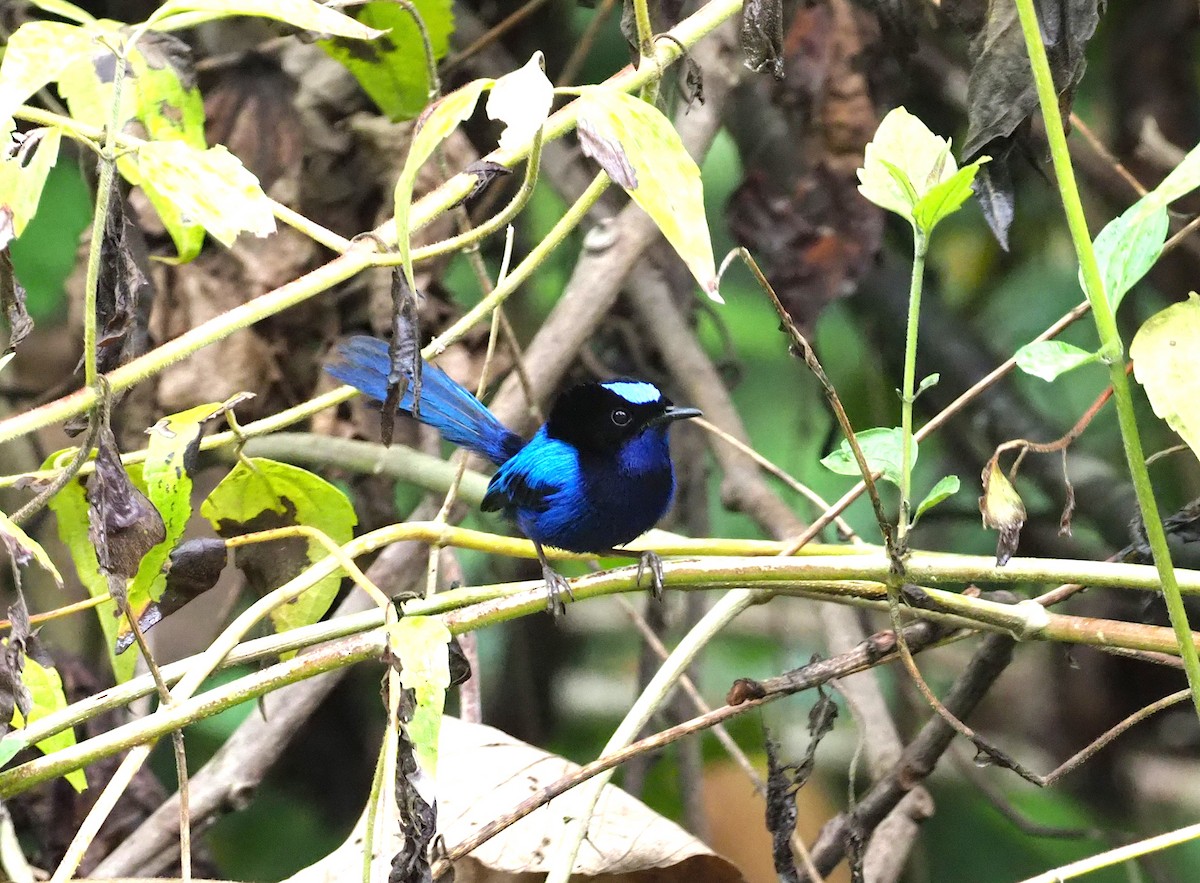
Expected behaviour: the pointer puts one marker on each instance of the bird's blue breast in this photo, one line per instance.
(587, 504)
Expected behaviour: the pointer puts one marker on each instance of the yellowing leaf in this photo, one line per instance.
(432, 129)
(522, 101)
(210, 188)
(46, 692)
(24, 548)
(1164, 363)
(421, 643)
(306, 14)
(22, 179)
(1002, 510)
(37, 53)
(665, 180)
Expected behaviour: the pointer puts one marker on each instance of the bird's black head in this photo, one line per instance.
(600, 417)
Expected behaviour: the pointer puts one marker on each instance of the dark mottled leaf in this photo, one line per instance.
(404, 354)
(762, 36)
(123, 523)
(994, 191)
(392, 69)
(784, 780)
(693, 82)
(417, 812)
(12, 301)
(193, 567)
(260, 494)
(1000, 90)
(608, 153)
(169, 103)
(121, 284)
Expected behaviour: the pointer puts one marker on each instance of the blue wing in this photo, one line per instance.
(461, 418)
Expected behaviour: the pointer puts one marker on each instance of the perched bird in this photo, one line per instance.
(596, 475)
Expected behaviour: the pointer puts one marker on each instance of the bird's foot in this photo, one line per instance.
(652, 562)
(556, 587)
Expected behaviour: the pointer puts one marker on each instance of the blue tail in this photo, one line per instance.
(445, 405)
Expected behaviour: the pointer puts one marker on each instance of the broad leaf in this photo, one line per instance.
(164, 82)
(393, 69)
(262, 494)
(37, 53)
(434, 128)
(1129, 245)
(643, 153)
(1049, 358)
(210, 188)
(882, 449)
(70, 508)
(306, 14)
(421, 644)
(46, 691)
(1164, 363)
(522, 101)
(946, 487)
(87, 83)
(22, 179)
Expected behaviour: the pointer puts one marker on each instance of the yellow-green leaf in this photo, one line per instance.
(164, 83)
(23, 178)
(306, 14)
(1164, 363)
(634, 136)
(433, 128)
(37, 53)
(261, 494)
(65, 10)
(46, 692)
(422, 645)
(210, 188)
(24, 548)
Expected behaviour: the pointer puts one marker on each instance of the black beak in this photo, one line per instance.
(673, 413)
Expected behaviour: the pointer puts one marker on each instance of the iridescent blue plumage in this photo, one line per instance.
(597, 474)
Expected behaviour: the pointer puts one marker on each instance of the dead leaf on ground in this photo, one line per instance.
(483, 775)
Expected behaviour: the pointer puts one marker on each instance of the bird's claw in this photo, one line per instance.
(556, 587)
(652, 562)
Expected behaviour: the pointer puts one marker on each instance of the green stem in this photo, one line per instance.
(908, 393)
(1110, 344)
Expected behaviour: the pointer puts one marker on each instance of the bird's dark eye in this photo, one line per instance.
(621, 417)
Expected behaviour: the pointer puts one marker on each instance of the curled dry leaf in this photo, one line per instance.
(1002, 510)
(486, 774)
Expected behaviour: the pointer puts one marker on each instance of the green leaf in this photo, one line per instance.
(1164, 363)
(66, 10)
(521, 100)
(946, 487)
(24, 548)
(944, 199)
(1129, 245)
(392, 70)
(1049, 358)
(881, 447)
(37, 53)
(166, 479)
(261, 494)
(422, 645)
(306, 14)
(11, 745)
(641, 151)
(1182, 179)
(434, 128)
(918, 159)
(927, 382)
(70, 510)
(22, 180)
(46, 692)
(210, 188)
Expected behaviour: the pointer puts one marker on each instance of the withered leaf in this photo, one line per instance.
(608, 153)
(12, 301)
(1002, 510)
(762, 36)
(21, 642)
(485, 171)
(193, 568)
(404, 354)
(995, 193)
(415, 805)
(123, 524)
